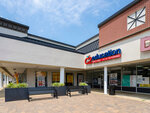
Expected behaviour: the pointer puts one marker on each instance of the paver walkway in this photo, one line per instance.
(93, 103)
(2, 93)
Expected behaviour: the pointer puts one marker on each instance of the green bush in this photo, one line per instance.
(57, 84)
(20, 85)
(83, 84)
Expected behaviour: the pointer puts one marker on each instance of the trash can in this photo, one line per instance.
(112, 90)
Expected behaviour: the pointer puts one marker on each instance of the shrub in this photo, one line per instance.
(20, 85)
(83, 84)
(57, 84)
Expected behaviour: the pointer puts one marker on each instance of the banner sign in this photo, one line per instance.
(69, 78)
(145, 43)
(126, 80)
(111, 54)
(113, 79)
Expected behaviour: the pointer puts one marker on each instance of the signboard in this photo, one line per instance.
(126, 80)
(111, 54)
(55, 77)
(69, 78)
(145, 80)
(41, 79)
(145, 43)
(113, 79)
(133, 80)
(139, 79)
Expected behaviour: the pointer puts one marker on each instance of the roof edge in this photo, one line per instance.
(119, 12)
(4, 19)
(34, 41)
(87, 40)
(50, 40)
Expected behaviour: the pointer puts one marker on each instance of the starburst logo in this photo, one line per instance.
(88, 60)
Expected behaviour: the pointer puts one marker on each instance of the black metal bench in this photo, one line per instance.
(38, 91)
(81, 89)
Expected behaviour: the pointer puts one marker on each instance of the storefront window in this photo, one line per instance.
(143, 78)
(129, 78)
(23, 77)
(41, 79)
(80, 78)
(55, 77)
(114, 77)
(95, 78)
(69, 79)
(89, 78)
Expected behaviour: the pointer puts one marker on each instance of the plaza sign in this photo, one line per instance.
(111, 54)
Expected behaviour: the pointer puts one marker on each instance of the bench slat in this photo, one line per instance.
(40, 92)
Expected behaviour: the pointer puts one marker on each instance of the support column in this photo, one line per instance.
(105, 80)
(7, 79)
(62, 75)
(1, 80)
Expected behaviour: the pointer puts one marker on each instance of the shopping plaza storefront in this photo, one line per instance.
(118, 55)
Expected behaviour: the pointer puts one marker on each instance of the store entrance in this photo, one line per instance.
(114, 77)
(95, 78)
(69, 79)
(80, 78)
(41, 79)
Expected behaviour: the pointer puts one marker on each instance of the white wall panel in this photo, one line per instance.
(23, 52)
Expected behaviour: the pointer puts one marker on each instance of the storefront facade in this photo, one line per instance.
(119, 55)
(123, 49)
(5, 78)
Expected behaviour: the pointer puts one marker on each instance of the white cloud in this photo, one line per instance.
(58, 11)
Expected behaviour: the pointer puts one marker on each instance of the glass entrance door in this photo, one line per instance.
(41, 79)
(80, 78)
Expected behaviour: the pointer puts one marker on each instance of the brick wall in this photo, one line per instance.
(116, 28)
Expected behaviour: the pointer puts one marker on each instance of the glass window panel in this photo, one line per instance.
(143, 12)
(129, 78)
(55, 77)
(142, 19)
(143, 73)
(139, 11)
(129, 25)
(139, 23)
(133, 26)
(129, 20)
(41, 78)
(133, 15)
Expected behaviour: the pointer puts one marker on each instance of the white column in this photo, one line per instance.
(7, 79)
(1, 80)
(105, 80)
(62, 75)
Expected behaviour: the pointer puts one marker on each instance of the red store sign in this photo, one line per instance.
(111, 54)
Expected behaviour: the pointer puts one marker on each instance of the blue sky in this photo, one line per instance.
(68, 21)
